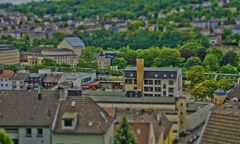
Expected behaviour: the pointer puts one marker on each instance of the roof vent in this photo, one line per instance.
(139, 131)
(172, 75)
(90, 124)
(73, 104)
(156, 75)
(165, 75)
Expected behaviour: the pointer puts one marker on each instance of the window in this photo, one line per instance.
(6, 85)
(171, 90)
(146, 82)
(39, 132)
(157, 89)
(157, 82)
(135, 81)
(28, 132)
(128, 81)
(164, 86)
(151, 82)
(148, 89)
(171, 82)
(68, 123)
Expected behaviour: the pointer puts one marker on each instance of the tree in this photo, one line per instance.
(193, 61)
(168, 57)
(195, 75)
(205, 89)
(120, 63)
(4, 138)
(212, 61)
(229, 57)
(187, 53)
(228, 69)
(48, 62)
(124, 134)
(128, 54)
(195, 46)
(216, 51)
(224, 84)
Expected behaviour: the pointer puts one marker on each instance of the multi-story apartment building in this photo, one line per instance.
(104, 59)
(9, 55)
(153, 81)
(5, 82)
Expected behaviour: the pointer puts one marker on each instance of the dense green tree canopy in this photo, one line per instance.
(193, 61)
(212, 61)
(4, 138)
(230, 57)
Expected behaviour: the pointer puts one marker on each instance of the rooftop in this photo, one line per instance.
(19, 76)
(6, 73)
(88, 112)
(152, 69)
(119, 97)
(7, 47)
(35, 75)
(75, 41)
(161, 125)
(222, 126)
(54, 78)
(22, 108)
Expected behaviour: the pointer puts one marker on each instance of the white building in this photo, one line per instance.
(5, 82)
(18, 81)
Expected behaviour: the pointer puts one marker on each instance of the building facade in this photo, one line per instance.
(72, 43)
(19, 81)
(153, 81)
(9, 55)
(27, 115)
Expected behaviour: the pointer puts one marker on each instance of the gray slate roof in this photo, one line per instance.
(7, 47)
(88, 111)
(75, 41)
(119, 97)
(160, 73)
(19, 76)
(21, 108)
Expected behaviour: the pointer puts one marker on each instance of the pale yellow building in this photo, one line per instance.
(60, 56)
(9, 55)
(153, 81)
(72, 43)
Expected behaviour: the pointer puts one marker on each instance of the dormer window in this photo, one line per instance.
(69, 120)
(68, 123)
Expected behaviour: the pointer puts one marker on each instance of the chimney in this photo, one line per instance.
(49, 113)
(140, 73)
(39, 97)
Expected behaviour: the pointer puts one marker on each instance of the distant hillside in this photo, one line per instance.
(16, 1)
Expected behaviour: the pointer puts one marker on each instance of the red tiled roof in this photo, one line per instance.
(141, 131)
(111, 111)
(6, 73)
